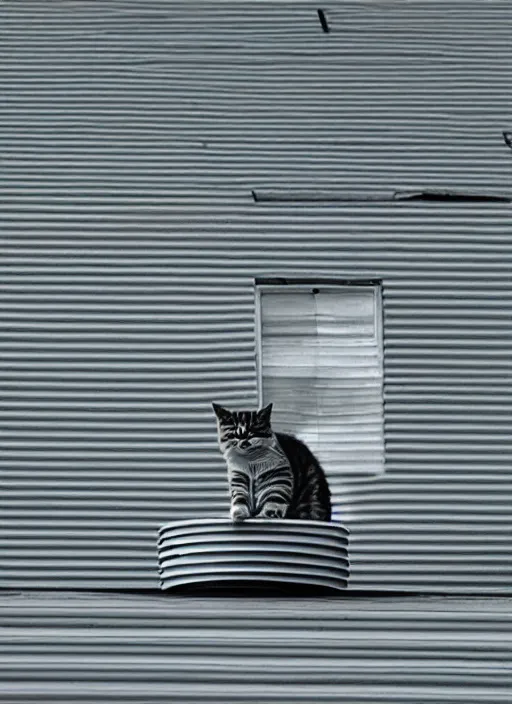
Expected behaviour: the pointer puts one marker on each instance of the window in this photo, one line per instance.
(320, 363)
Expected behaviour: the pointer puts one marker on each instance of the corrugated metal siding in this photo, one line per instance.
(101, 648)
(131, 137)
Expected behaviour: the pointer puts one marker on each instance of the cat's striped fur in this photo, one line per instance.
(271, 475)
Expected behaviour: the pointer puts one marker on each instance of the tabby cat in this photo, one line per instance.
(271, 475)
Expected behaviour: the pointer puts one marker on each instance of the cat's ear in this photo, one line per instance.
(220, 412)
(264, 413)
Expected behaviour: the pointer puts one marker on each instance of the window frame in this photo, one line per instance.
(261, 287)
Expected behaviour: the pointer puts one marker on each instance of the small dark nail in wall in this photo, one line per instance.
(323, 21)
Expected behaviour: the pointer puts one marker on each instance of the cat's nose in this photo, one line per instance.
(244, 444)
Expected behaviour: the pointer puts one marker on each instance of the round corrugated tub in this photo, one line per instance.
(216, 553)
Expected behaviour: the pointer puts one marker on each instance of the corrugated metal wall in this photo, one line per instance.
(110, 648)
(131, 135)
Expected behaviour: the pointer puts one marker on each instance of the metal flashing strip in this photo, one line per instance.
(426, 195)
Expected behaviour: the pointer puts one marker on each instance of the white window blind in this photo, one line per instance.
(320, 363)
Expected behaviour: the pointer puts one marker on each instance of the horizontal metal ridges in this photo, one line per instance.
(214, 553)
(118, 106)
(131, 139)
(156, 648)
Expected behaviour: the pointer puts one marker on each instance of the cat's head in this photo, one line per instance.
(245, 432)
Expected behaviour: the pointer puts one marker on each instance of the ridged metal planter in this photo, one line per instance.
(215, 553)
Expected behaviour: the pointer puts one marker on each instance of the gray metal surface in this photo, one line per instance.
(131, 136)
(93, 648)
(215, 552)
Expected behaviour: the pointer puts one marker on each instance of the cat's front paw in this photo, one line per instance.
(273, 510)
(239, 513)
